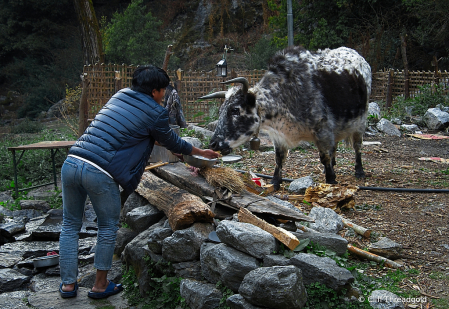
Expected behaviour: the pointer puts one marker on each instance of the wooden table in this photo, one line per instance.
(54, 147)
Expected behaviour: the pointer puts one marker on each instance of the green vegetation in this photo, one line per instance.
(259, 55)
(428, 97)
(164, 285)
(35, 167)
(132, 37)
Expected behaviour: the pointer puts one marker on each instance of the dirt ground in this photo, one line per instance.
(418, 221)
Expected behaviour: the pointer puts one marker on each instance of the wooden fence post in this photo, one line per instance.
(83, 113)
(390, 89)
(405, 62)
(118, 81)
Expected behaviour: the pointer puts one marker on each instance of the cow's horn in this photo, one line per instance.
(218, 94)
(242, 80)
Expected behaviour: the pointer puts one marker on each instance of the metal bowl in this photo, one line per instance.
(198, 161)
(46, 261)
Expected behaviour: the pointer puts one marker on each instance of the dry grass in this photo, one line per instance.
(223, 177)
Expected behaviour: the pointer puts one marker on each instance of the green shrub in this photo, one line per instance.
(428, 97)
(27, 126)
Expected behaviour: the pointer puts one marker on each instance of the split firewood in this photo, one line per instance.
(373, 257)
(155, 165)
(305, 228)
(280, 234)
(181, 208)
(331, 196)
(358, 229)
(289, 197)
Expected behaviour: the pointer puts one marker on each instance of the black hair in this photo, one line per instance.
(149, 77)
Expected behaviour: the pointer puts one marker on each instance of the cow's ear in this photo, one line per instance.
(251, 100)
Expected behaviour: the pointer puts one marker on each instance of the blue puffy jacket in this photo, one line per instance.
(122, 135)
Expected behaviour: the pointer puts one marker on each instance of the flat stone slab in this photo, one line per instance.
(50, 298)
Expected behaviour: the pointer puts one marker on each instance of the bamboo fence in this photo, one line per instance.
(106, 79)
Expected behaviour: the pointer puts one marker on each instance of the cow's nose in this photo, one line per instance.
(213, 145)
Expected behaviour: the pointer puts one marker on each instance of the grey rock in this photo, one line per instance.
(410, 127)
(134, 254)
(12, 228)
(386, 247)
(41, 248)
(188, 270)
(196, 142)
(200, 295)
(156, 238)
(374, 110)
(220, 262)
(299, 186)
(275, 260)
(212, 125)
(50, 299)
(184, 245)
(134, 200)
(14, 300)
(11, 280)
(381, 299)
(141, 218)
(237, 301)
(276, 287)
(40, 194)
(41, 282)
(396, 121)
(247, 238)
(26, 214)
(8, 260)
(5, 212)
(323, 270)
(326, 220)
(124, 236)
(5, 196)
(331, 241)
(283, 203)
(436, 119)
(387, 127)
(201, 131)
(53, 271)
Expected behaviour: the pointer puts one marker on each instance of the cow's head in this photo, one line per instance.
(238, 118)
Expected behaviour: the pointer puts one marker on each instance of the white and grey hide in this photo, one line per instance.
(314, 96)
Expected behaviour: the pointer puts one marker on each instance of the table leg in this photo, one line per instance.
(16, 185)
(53, 154)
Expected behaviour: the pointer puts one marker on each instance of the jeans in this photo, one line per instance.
(80, 179)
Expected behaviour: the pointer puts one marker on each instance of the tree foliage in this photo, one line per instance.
(132, 37)
(373, 27)
(39, 56)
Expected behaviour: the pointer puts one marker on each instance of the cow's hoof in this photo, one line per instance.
(360, 175)
(332, 182)
(276, 186)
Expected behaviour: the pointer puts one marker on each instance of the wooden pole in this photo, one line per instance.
(390, 89)
(168, 54)
(405, 62)
(83, 113)
(373, 257)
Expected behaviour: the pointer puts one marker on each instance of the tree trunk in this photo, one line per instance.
(92, 46)
(83, 113)
(181, 208)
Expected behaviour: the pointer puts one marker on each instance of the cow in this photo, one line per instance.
(317, 96)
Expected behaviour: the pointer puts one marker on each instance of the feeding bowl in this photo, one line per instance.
(199, 161)
(46, 261)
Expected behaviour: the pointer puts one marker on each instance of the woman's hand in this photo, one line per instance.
(207, 153)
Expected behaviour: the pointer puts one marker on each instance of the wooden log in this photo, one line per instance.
(280, 234)
(358, 229)
(373, 257)
(181, 208)
(179, 175)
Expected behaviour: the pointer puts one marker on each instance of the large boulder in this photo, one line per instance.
(436, 119)
(220, 262)
(247, 238)
(275, 287)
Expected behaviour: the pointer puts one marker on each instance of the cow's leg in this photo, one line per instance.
(281, 155)
(326, 147)
(357, 145)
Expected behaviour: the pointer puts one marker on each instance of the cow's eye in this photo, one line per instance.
(235, 111)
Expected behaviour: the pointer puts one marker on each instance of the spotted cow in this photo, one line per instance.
(313, 96)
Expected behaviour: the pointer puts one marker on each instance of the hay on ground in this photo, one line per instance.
(223, 177)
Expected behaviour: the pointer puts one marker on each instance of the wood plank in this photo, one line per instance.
(179, 175)
(181, 208)
(280, 234)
